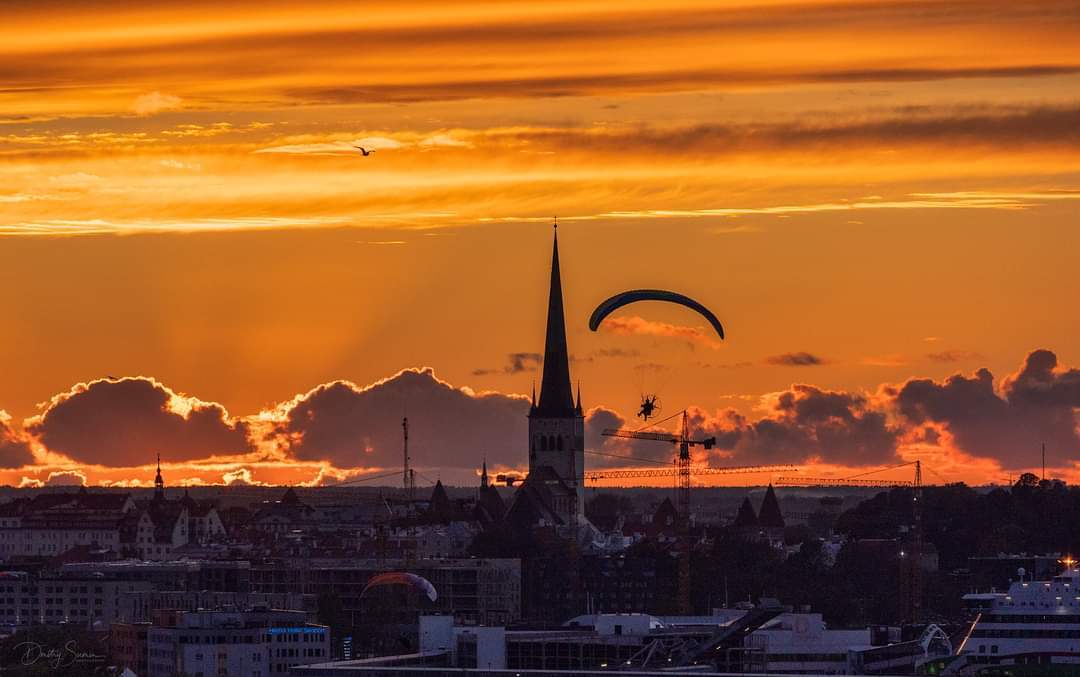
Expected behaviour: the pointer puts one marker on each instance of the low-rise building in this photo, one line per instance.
(51, 524)
(91, 601)
(97, 594)
(480, 591)
(140, 606)
(761, 640)
(157, 529)
(254, 643)
(127, 646)
(189, 575)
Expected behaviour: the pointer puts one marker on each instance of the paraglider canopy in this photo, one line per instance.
(633, 296)
(418, 583)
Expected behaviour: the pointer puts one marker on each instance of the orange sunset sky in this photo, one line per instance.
(879, 200)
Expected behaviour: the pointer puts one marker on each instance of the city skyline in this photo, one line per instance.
(887, 234)
(318, 436)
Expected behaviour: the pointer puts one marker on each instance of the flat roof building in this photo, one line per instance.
(253, 643)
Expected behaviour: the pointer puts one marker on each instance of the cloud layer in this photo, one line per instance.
(14, 449)
(350, 425)
(1037, 404)
(806, 424)
(342, 430)
(126, 422)
(310, 55)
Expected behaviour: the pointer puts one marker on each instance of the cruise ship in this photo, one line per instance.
(1035, 623)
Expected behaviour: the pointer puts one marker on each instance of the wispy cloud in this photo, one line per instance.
(196, 130)
(796, 359)
(336, 148)
(890, 360)
(58, 227)
(911, 203)
(516, 363)
(422, 142)
(155, 102)
(634, 325)
(75, 180)
(950, 356)
(655, 81)
(12, 198)
(179, 164)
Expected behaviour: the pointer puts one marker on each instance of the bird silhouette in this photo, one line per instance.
(365, 151)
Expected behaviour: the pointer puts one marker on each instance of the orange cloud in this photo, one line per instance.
(240, 477)
(155, 102)
(634, 325)
(125, 421)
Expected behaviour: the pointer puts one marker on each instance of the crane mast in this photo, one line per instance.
(682, 469)
(683, 466)
(683, 462)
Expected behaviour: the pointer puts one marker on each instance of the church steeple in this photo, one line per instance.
(484, 476)
(556, 424)
(556, 394)
(159, 483)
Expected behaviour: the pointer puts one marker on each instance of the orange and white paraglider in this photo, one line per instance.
(418, 583)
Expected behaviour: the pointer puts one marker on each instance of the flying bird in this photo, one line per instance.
(365, 151)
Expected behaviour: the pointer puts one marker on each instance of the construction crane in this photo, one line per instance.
(682, 461)
(599, 475)
(838, 482)
(683, 470)
(911, 559)
(510, 479)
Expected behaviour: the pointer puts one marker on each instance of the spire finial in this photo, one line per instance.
(555, 225)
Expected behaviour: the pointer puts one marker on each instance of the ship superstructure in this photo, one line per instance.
(1034, 623)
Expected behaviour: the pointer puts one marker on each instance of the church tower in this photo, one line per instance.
(556, 422)
(159, 482)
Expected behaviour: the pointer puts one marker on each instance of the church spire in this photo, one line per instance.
(484, 476)
(159, 483)
(556, 396)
